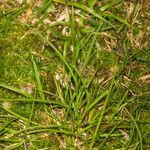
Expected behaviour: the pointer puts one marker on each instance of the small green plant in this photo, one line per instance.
(74, 75)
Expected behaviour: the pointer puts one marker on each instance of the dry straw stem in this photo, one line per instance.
(145, 77)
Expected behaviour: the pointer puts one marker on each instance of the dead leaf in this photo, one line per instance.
(145, 77)
(125, 135)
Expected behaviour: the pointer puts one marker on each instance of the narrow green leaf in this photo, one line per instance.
(96, 101)
(95, 14)
(17, 115)
(58, 53)
(16, 90)
(92, 3)
(137, 128)
(40, 89)
(101, 116)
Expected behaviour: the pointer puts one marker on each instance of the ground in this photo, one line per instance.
(74, 74)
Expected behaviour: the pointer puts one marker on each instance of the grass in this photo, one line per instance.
(74, 75)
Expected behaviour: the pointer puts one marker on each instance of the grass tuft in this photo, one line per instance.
(74, 74)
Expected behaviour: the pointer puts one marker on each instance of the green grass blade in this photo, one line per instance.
(96, 101)
(95, 14)
(92, 3)
(58, 53)
(137, 128)
(25, 100)
(101, 115)
(118, 106)
(108, 135)
(87, 59)
(16, 90)
(117, 18)
(17, 115)
(85, 8)
(37, 76)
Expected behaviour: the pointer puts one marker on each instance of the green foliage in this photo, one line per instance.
(74, 75)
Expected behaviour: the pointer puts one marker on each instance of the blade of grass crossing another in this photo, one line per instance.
(101, 115)
(117, 18)
(96, 101)
(118, 106)
(95, 14)
(108, 135)
(17, 115)
(137, 128)
(109, 5)
(59, 55)
(88, 57)
(2, 129)
(85, 8)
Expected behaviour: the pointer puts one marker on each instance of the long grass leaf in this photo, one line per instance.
(96, 101)
(87, 59)
(137, 128)
(101, 116)
(85, 8)
(16, 90)
(58, 53)
(95, 14)
(38, 80)
(17, 115)
(92, 2)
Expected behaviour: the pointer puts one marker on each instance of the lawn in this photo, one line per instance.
(74, 75)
